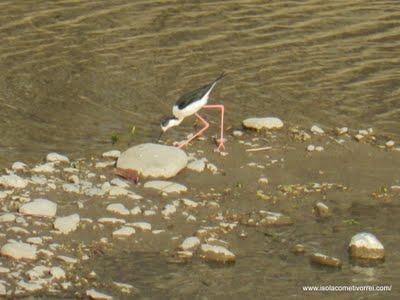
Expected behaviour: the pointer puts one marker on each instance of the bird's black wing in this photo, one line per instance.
(192, 96)
(197, 94)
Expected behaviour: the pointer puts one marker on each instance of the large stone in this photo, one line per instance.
(263, 123)
(365, 245)
(13, 181)
(39, 207)
(67, 224)
(153, 160)
(19, 250)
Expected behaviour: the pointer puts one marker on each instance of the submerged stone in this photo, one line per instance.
(325, 260)
(153, 160)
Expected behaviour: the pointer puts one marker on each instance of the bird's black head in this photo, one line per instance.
(167, 123)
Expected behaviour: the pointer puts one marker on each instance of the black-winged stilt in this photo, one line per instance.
(189, 104)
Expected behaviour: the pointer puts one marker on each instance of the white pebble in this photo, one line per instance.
(44, 168)
(19, 166)
(13, 181)
(57, 273)
(136, 211)
(112, 154)
(317, 130)
(39, 207)
(7, 217)
(190, 243)
(93, 294)
(118, 208)
(310, 148)
(67, 224)
(168, 210)
(18, 250)
(389, 144)
(142, 225)
(124, 231)
(55, 157)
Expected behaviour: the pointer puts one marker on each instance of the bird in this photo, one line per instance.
(189, 104)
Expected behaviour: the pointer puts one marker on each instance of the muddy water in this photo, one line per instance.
(73, 73)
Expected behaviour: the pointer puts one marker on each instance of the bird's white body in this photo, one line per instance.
(192, 108)
(189, 110)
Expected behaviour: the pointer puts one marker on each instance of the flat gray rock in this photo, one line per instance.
(13, 181)
(39, 207)
(19, 250)
(165, 186)
(153, 160)
(261, 123)
(67, 224)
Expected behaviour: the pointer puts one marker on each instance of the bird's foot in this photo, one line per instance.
(220, 147)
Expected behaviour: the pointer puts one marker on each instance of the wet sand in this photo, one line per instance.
(353, 179)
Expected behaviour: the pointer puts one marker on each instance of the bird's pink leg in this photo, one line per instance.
(221, 107)
(206, 125)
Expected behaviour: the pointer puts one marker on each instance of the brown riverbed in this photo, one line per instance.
(74, 73)
(353, 179)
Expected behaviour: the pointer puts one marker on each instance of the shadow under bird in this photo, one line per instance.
(189, 104)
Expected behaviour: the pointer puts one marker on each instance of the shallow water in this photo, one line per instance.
(75, 72)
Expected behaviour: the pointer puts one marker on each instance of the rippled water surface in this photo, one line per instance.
(75, 72)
